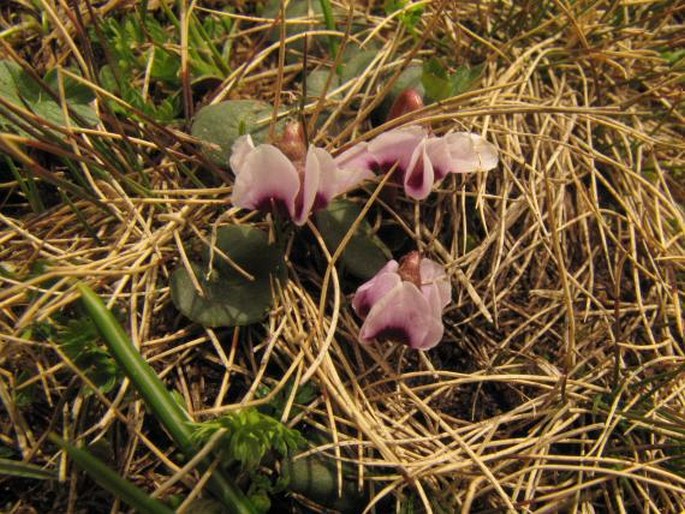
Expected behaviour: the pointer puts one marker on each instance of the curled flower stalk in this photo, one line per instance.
(288, 175)
(404, 303)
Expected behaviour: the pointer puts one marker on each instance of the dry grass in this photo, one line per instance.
(560, 384)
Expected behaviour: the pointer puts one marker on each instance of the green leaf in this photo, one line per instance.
(110, 480)
(218, 126)
(439, 84)
(17, 468)
(229, 298)
(465, 78)
(156, 396)
(436, 80)
(316, 84)
(409, 18)
(78, 340)
(249, 436)
(295, 9)
(19, 88)
(316, 478)
(365, 253)
(356, 61)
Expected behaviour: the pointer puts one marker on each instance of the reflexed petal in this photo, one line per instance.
(439, 155)
(372, 291)
(419, 176)
(397, 146)
(239, 152)
(404, 315)
(312, 182)
(346, 179)
(470, 152)
(433, 335)
(356, 158)
(266, 176)
(435, 285)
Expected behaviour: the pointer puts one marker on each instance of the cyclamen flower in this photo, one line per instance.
(289, 176)
(404, 302)
(422, 159)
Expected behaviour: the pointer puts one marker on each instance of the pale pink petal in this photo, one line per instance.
(312, 181)
(419, 176)
(403, 315)
(370, 292)
(438, 152)
(345, 179)
(433, 336)
(356, 158)
(266, 176)
(435, 285)
(239, 152)
(470, 152)
(396, 146)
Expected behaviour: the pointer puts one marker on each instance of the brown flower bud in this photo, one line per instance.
(292, 143)
(410, 268)
(408, 100)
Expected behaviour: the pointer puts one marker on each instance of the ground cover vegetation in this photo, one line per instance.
(183, 331)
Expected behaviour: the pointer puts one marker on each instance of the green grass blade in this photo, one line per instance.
(17, 468)
(155, 394)
(330, 25)
(110, 480)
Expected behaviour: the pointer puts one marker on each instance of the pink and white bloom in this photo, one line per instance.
(404, 303)
(422, 160)
(289, 177)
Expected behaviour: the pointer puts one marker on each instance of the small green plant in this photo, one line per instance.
(440, 84)
(251, 438)
(145, 66)
(409, 16)
(80, 341)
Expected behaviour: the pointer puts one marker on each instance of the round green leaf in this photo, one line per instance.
(365, 253)
(219, 125)
(228, 298)
(316, 479)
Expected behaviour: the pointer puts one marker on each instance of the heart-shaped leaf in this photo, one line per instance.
(219, 125)
(228, 298)
(365, 253)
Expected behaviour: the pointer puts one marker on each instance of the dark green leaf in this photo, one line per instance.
(316, 84)
(356, 62)
(316, 478)
(218, 125)
(364, 254)
(228, 298)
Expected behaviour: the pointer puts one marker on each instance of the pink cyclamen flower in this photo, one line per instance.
(422, 160)
(404, 302)
(297, 179)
